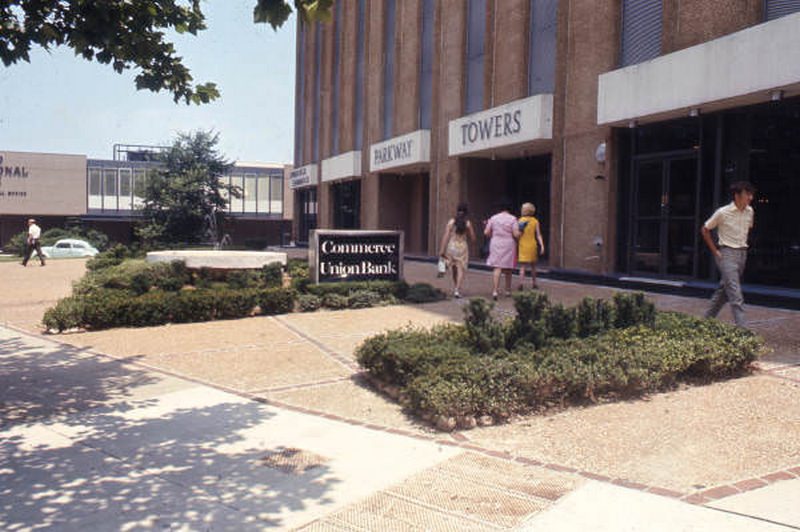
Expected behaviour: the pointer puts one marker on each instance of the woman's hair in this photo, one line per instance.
(528, 209)
(461, 218)
(742, 186)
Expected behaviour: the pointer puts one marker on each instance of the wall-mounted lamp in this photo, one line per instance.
(600, 153)
(776, 96)
(632, 124)
(694, 112)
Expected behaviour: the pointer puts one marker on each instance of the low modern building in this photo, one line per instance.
(106, 194)
(623, 121)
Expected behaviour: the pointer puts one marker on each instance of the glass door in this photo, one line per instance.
(664, 216)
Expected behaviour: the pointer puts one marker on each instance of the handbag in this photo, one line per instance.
(441, 267)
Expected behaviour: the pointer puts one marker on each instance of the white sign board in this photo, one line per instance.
(405, 150)
(519, 121)
(342, 166)
(304, 176)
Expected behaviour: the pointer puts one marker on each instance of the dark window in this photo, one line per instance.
(337, 39)
(426, 65)
(780, 8)
(476, 37)
(346, 204)
(317, 87)
(641, 31)
(299, 107)
(388, 68)
(359, 104)
(542, 53)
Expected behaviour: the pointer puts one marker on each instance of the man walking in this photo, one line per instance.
(733, 223)
(32, 242)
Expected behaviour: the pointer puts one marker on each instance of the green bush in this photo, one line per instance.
(276, 301)
(272, 275)
(422, 293)
(241, 279)
(105, 308)
(334, 301)
(485, 333)
(364, 299)
(309, 302)
(632, 309)
(560, 321)
(384, 288)
(111, 257)
(398, 356)
(594, 316)
(468, 371)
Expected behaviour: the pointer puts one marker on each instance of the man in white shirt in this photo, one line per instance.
(32, 242)
(733, 223)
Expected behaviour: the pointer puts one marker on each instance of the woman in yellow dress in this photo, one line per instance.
(530, 235)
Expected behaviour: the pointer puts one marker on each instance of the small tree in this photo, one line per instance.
(185, 196)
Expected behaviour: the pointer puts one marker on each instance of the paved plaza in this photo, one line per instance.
(266, 423)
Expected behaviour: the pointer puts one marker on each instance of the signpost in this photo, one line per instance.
(336, 255)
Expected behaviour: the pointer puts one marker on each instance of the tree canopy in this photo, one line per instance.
(184, 198)
(130, 34)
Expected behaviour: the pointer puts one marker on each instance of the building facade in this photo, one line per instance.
(623, 121)
(106, 194)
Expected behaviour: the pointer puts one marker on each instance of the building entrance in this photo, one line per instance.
(488, 183)
(404, 207)
(306, 205)
(675, 174)
(665, 217)
(346, 204)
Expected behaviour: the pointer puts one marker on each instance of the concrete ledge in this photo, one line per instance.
(219, 259)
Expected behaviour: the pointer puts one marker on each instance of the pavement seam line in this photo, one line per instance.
(441, 511)
(338, 357)
(754, 517)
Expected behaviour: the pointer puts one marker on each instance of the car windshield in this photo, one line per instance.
(62, 245)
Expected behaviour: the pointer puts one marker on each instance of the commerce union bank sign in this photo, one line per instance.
(336, 255)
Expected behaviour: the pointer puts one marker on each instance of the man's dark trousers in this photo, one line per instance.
(29, 248)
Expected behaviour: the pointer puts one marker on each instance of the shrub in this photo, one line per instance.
(383, 288)
(276, 300)
(111, 257)
(632, 309)
(398, 356)
(67, 314)
(560, 321)
(440, 374)
(273, 275)
(422, 293)
(593, 316)
(334, 301)
(529, 325)
(485, 333)
(309, 302)
(364, 299)
(241, 279)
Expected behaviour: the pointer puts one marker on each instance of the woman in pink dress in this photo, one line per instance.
(503, 230)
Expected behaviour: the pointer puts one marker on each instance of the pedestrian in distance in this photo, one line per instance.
(531, 244)
(502, 229)
(32, 242)
(454, 248)
(733, 223)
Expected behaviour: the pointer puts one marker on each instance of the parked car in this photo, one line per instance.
(69, 247)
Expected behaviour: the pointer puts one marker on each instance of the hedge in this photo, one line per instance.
(457, 374)
(106, 308)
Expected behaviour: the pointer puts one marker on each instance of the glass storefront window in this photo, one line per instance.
(276, 194)
(263, 194)
(139, 187)
(110, 189)
(250, 183)
(95, 188)
(237, 185)
(125, 188)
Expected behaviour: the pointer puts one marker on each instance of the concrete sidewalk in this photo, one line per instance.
(265, 423)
